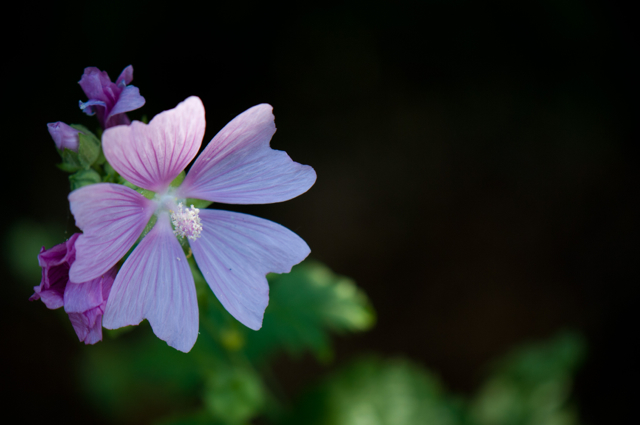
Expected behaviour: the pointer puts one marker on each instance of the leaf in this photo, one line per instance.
(377, 392)
(84, 178)
(234, 394)
(70, 161)
(138, 376)
(532, 385)
(304, 306)
(198, 203)
(89, 150)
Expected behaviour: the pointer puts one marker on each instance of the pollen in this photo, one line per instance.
(186, 222)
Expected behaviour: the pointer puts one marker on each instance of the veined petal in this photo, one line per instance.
(112, 217)
(155, 283)
(236, 251)
(239, 167)
(129, 100)
(151, 156)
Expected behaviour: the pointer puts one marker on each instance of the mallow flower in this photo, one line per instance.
(234, 251)
(83, 302)
(108, 100)
(64, 136)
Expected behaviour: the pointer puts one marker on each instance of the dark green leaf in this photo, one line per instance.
(139, 374)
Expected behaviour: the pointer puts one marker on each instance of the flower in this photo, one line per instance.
(64, 136)
(109, 100)
(234, 251)
(83, 302)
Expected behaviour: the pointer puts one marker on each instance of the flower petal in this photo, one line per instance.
(129, 100)
(151, 156)
(88, 325)
(90, 107)
(126, 76)
(81, 297)
(63, 135)
(236, 251)
(93, 82)
(239, 167)
(155, 283)
(112, 217)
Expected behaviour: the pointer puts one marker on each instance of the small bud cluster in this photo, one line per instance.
(186, 222)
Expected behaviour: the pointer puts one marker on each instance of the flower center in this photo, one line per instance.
(186, 222)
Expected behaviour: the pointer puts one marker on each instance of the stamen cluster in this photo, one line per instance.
(186, 222)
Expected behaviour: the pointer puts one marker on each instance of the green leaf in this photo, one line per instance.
(378, 392)
(70, 161)
(179, 178)
(304, 306)
(198, 203)
(84, 178)
(532, 385)
(139, 374)
(234, 394)
(88, 150)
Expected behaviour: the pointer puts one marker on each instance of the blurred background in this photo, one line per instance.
(476, 170)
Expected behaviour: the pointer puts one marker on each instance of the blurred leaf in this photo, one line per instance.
(139, 375)
(22, 244)
(304, 306)
(84, 178)
(234, 394)
(378, 392)
(532, 385)
(199, 417)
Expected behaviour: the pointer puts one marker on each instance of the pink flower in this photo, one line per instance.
(83, 302)
(234, 251)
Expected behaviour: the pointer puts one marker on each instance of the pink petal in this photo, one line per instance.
(112, 218)
(155, 283)
(81, 297)
(88, 325)
(151, 156)
(236, 251)
(239, 167)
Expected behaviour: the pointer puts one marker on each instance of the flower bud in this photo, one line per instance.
(64, 136)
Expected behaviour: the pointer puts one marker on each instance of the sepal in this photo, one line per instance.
(84, 178)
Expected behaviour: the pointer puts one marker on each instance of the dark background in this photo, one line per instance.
(475, 160)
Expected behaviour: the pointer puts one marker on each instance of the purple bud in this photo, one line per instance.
(64, 136)
(83, 302)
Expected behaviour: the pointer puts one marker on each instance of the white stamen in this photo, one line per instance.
(186, 222)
